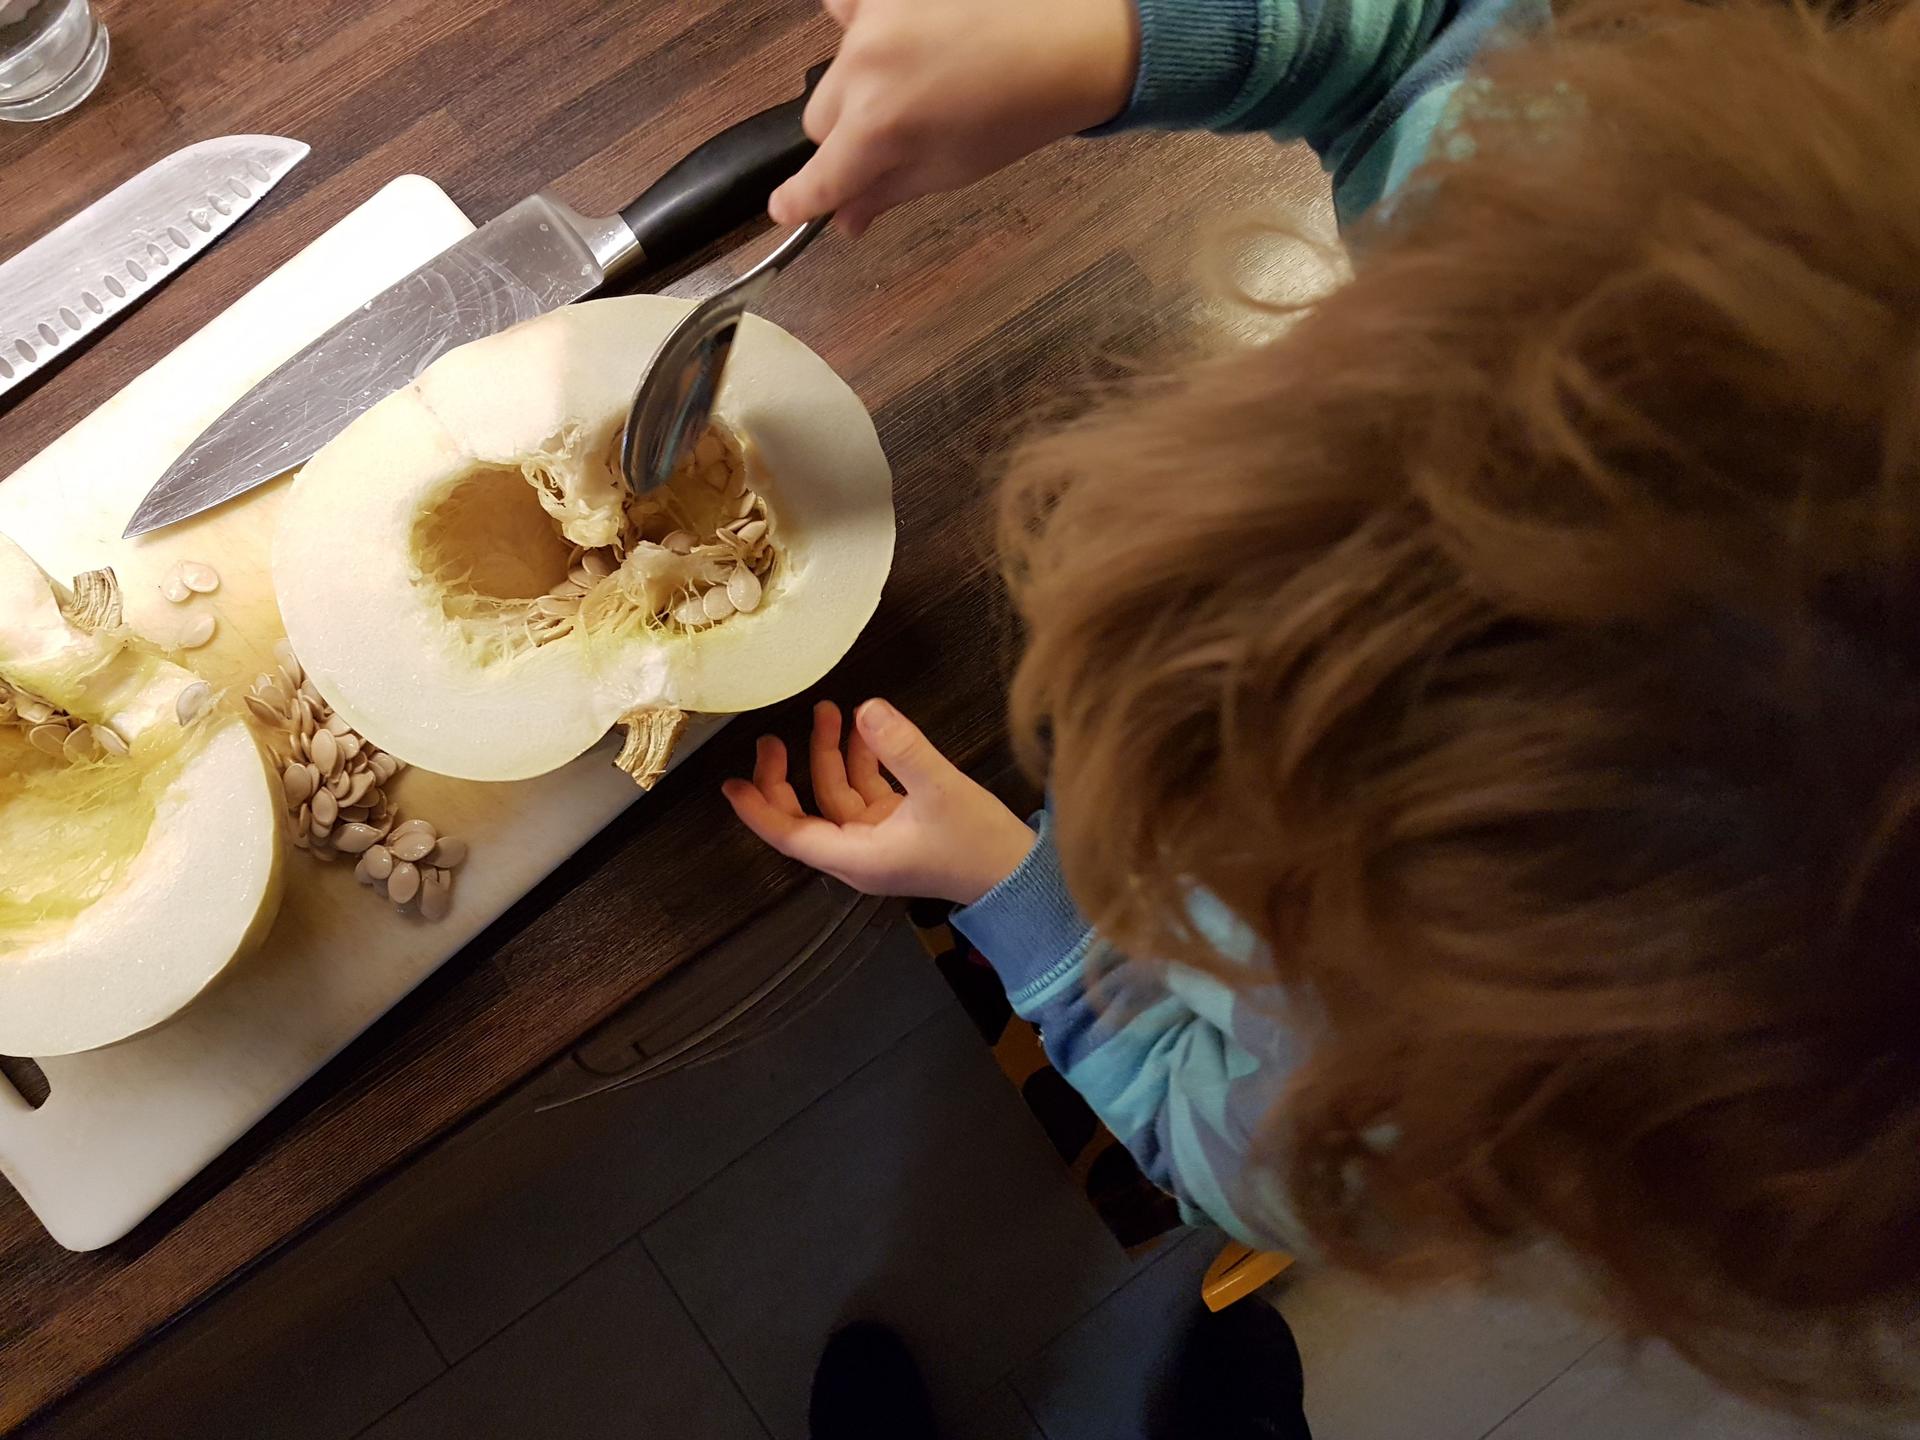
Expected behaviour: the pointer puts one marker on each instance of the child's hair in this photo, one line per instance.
(1527, 645)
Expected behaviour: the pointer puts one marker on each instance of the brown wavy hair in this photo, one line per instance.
(1527, 646)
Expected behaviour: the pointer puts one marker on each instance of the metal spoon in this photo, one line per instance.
(674, 399)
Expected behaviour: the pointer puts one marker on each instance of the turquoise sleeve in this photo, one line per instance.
(1164, 1056)
(1364, 82)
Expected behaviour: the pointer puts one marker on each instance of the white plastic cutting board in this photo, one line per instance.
(125, 1127)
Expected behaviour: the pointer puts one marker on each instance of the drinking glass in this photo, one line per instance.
(52, 54)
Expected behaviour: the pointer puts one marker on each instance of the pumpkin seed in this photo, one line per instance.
(336, 725)
(377, 862)
(679, 542)
(450, 852)
(193, 701)
(751, 532)
(110, 741)
(356, 836)
(78, 745)
(690, 612)
(200, 578)
(33, 711)
(326, 809)
(598, 564)
(385, 767)
(174, 588)
(325, 750)
(436, 896)
(358, 787)
(708, 450)
(743, 507)
(716, 475)
(404, 883)
(196, 632)
(415, 827)
(560, 607)
(416, 846)
(289, 662)
(296, 784)
(303, 820)
(49, 740)
(350, 745)
(337, 786)
(743, 589)
(716, 603)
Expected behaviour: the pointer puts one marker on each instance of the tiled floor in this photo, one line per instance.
(666, 1261)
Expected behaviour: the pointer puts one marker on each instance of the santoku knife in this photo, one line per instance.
(536, 257)
(78, 276)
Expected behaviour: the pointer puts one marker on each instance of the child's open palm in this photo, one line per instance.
(947, 837)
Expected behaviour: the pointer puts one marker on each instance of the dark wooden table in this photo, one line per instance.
(954, 319)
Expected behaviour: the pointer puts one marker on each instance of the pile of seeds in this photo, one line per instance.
(413, 861)
(721, 575)
(180, 584)
(335, 786)
(94, 606)
(52, 731)
(740, 552)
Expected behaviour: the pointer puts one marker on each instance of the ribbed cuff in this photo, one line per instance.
(1195, 56)
(1027, 926)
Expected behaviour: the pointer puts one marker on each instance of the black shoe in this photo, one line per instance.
(1237, 1376)
(868, 1388)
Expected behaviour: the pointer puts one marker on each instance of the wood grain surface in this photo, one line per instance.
(956, 319)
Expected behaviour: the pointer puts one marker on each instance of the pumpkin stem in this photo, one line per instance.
(96, 601)
(652, 732)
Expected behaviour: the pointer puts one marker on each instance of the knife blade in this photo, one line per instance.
(127, 244)
(535, 257)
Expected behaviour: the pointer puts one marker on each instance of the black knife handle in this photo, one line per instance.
(722, 185)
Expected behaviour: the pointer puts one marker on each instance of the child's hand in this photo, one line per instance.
(930, 95)
(946, 838)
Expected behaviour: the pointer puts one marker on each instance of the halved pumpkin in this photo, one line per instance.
(467, 580)
(140, 859)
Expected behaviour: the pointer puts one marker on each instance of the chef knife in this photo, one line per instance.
(537, 256)
(127, 244)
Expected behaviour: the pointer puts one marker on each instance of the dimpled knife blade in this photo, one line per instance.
(127, 244)
(524, 263)
(537, 256)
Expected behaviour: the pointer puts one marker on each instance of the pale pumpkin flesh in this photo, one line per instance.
(128, 882)
(418, 553)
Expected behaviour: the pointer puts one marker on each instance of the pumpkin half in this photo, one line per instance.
(140, 858)
(468, 581)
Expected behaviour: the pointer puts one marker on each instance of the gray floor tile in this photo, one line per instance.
(329, 1372)
(996, 1415)
(1615, 1393)
(542, 1198)
(1097, 1381)
(613, 1356)
(922, 1192)
(1433, 1365)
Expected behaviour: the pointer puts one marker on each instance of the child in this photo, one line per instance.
(1490, 714)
